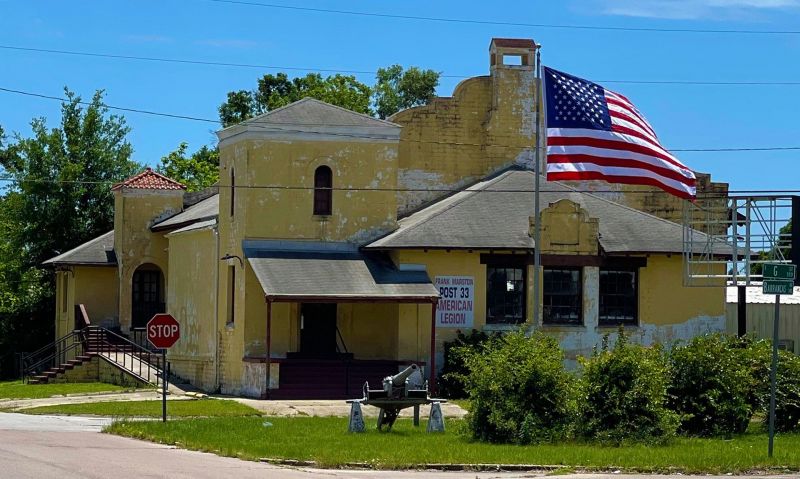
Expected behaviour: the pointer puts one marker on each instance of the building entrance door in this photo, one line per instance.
(318, 330)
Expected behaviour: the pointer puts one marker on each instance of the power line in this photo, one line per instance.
(367, 72)
(10, 179)
(508, 23)
(110, 107)
(275, 128)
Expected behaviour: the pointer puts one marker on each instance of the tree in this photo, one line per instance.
(58, 197)
(239, 107)
(397, 90)
(275, 91)
(198, 171)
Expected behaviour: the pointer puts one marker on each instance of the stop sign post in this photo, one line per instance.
(163, 331)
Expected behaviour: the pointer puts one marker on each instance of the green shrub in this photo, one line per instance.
(519, 390)
(787, 394)
(454, 371)
(714, 388)
(624, 395)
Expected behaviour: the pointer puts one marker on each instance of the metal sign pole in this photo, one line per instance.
(164, 382)
(773, 373)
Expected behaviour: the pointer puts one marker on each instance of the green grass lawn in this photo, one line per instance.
(326, 441)
(19, 390)
(182, 408)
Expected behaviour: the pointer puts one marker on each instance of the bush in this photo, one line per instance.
(787, 394)
(714, 387)
(624, 395)
(452, 382)
(519, 390)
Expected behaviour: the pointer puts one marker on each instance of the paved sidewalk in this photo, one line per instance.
(288, 408)
(320, 407)
(21, 404)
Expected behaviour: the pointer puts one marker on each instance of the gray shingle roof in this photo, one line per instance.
(96, 252)
(494, 214)
(204, 210)
(292, 270)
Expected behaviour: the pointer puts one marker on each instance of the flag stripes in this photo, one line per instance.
(598, 134)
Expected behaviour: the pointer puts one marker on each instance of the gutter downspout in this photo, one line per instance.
(218, 333)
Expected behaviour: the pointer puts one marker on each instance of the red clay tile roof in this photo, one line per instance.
(514, 42)
(149, 180)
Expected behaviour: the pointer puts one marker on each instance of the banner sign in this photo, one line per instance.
(456, 307)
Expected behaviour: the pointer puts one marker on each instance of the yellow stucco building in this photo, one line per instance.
(338, 247)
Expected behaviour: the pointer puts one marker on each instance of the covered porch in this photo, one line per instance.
(346, 310)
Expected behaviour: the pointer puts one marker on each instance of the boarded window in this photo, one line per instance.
(562, 296)
(505, 294)
(231, 294)
(323, 191)
(619, 299)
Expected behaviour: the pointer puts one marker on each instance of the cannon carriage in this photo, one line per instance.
(405, 389)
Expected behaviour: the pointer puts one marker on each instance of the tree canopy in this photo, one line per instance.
(395, 89)
(197, 171)
(58, 197)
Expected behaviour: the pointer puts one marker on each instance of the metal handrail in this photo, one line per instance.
(95, 339)
(52, 355)
(149, 369)
(344, 346)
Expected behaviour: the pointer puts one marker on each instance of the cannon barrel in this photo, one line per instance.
(399, 379)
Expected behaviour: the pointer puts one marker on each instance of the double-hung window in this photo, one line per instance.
(562, 296)
(619, 301)
(505, 294)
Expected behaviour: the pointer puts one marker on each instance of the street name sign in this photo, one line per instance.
(779, 271)
(777, 286)
(778, 278)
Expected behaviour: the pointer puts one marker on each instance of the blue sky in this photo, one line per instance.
(684, 116)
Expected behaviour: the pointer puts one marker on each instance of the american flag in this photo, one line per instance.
(597, 134)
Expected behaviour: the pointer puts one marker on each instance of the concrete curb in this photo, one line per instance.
(432, 466)
(461, 467)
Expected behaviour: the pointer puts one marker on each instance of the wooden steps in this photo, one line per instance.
(329, 379)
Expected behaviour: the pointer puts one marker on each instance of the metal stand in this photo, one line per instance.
(773, 373)
(164, 385)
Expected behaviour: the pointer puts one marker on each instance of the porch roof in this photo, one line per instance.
(333, 272)
(96, 252)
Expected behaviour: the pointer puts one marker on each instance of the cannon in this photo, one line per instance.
(405, 389)
(406, 383)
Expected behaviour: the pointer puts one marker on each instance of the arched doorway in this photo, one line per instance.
(147, 294)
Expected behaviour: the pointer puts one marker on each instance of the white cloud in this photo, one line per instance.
(227, 43)
(147, 38)
(691, 9)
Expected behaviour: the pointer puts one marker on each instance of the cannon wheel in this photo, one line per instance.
(387, 417)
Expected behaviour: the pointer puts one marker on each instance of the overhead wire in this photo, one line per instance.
(465, 189)
(506, 23)
(275, 128)
(369, 72)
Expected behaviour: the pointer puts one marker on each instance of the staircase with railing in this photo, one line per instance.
(81, 346)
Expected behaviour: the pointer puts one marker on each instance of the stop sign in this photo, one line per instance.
(163, 330)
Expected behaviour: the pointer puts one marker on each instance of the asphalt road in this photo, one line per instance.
(44, 447)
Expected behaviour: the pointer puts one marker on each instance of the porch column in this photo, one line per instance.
(269, 348)
(432, 372)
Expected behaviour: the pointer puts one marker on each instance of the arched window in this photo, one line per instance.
(323, 192)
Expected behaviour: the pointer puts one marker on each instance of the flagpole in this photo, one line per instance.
(537, 230)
